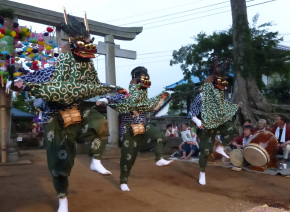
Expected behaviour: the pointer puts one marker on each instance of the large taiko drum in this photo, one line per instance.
(261, 147)
(237, 157)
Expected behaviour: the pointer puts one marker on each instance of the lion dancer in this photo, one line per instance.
(213, 115)
(134, 134)
(66, 120)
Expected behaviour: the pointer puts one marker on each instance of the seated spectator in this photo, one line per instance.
(190, 129)
(282, 133)
(176, 128)
(189, 146)
(247, 122)
(241, 141)
(262, 125)
(170, 132)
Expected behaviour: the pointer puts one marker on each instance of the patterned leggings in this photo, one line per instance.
(153, 138)
(227, 131)
(61, 144)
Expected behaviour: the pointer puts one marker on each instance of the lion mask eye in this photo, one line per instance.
(81, 44)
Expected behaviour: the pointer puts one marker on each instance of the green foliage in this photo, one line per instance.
(7, 13)
(19, 102)
(278, 92)
(183, 93)
(196, 59)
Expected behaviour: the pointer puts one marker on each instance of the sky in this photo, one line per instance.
(157, 38)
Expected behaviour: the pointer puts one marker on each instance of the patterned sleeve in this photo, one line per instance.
(153, 103)
(43, 75)
(195, 108)
(114, 99)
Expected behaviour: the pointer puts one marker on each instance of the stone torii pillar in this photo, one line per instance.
(111, 51)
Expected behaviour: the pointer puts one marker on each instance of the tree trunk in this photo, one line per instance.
(241, 95)
(256, 98)
(245, 86)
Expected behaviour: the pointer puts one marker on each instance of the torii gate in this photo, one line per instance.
(107, 48)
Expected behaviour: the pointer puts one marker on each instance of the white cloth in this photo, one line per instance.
(286, 152)
(283, 137)
(169, 133)
(176, 131)
(186, 136)
(196, 121)
(104, 100)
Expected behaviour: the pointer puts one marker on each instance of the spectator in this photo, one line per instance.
(34, 128)
(170, 132)
(240, 141)
(282, 133)
(190, 129)
(248, 122)
(176, 128)
(261, 125)
(189, 146)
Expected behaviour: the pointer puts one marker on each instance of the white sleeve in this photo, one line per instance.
(104, 100)
(196, 121)
(10, 82)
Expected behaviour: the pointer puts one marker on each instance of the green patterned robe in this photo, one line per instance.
(153, 138)
(214, 110)
(138, 101)
(72, 82)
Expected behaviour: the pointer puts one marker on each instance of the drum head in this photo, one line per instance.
(256, 155)
(237, 157)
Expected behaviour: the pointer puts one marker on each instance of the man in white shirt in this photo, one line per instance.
(189, 146)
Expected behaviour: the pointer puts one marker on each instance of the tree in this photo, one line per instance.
(260, 56)
(19, 102)
(184, 93)
(278, 92)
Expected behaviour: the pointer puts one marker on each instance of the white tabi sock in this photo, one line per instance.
(221, 151)
(98, 167)
(202, 178)
(163, 162)
(63, 205)
(124, 187)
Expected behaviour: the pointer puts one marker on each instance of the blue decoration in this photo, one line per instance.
(24, 49)
(0, 25)
(25, 43)
(54, 45)
(23, 56)
(4, 52)
(28, 64)
(46, 55)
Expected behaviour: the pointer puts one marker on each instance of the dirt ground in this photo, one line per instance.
(28, 188)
